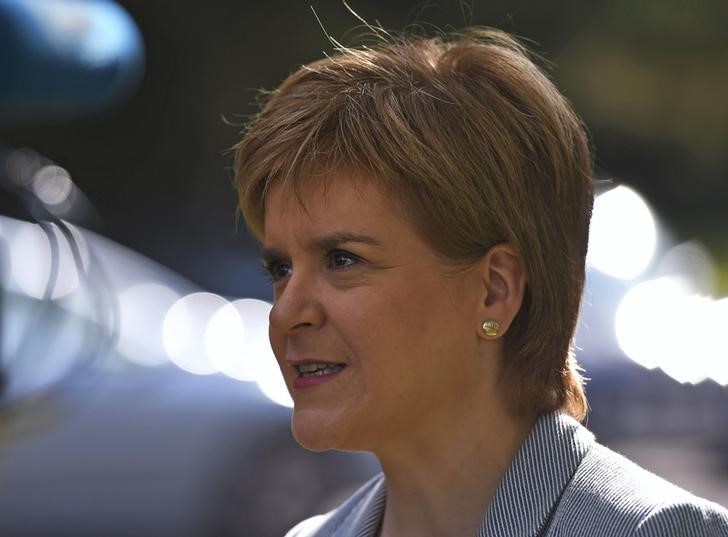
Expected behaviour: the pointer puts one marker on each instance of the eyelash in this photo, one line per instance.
(270, 268)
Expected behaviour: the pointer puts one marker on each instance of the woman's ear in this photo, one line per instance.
(504, 284)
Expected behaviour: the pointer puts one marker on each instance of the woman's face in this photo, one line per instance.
(376, 337)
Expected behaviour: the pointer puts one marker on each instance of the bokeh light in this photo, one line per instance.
(21, 166)
(717, 343)
(623, 234)
(690, 260)
(52, 184)
(142, 310)
(183, 331)
(226, 345)
(31, 260)
(268, 375)
(640, 320)
(237, 342)
(664, 323)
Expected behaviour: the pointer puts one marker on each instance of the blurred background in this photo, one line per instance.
(139, 394)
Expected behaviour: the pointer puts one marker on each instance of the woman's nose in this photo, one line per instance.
(297, 307)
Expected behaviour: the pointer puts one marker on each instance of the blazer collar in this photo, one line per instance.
(535, 480)
(365, 519)
(527, 495)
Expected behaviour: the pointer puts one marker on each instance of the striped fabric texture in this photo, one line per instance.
(561, 483)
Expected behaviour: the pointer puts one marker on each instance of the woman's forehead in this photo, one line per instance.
(339, 190)
(340, 207)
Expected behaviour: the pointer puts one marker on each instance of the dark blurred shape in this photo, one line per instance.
(61, 59)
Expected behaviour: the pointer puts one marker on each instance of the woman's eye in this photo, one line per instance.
(339, 259)
(277, 270)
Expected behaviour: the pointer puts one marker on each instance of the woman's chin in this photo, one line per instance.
(316, 432)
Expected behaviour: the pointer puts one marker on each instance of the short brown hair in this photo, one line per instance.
(478, 146)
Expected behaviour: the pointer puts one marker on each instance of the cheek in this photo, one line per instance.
(422, 323)
(388, 322)
(363, 322)
(418, 308)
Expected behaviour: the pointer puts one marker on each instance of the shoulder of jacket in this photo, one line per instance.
(610, 491)
(692, 516)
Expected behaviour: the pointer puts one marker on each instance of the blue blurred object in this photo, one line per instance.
(61, 59)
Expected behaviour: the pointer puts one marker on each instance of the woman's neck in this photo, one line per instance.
(443, 480)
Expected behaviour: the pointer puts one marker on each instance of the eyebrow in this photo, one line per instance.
(327, 242)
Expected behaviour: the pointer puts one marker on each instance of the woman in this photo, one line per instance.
(423, 208)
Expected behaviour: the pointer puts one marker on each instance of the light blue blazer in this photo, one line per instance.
(561, 483)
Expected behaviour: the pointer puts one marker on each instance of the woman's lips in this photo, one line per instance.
(310, 375)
